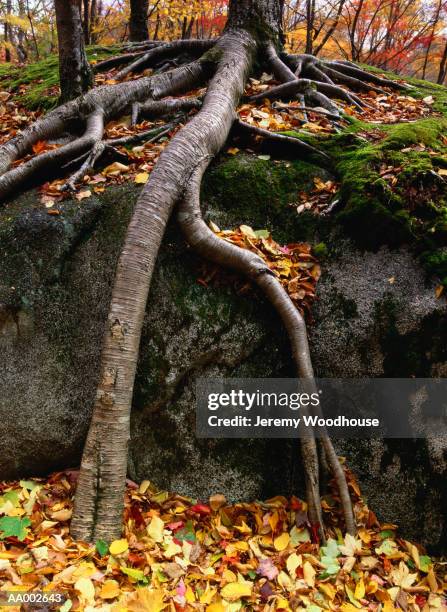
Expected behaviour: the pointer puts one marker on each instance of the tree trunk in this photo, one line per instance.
(442, 66)
(138, 30)
(93, 21)
(7, 32)
(74, 71)
(21, 36)
(86, 21)
(100, 492)
(310, 17)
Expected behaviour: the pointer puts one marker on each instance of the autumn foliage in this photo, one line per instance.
(406, 36)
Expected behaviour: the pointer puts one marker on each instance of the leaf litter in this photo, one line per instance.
(178, 554)
(294, 265)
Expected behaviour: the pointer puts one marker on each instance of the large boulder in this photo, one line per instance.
(376, 315)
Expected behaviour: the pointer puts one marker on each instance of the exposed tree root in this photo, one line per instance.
(99, 499)
(153, 109)
(88, 165)
(155, 55)
(307, 86)
(312, 109)
(176, 176)
(298, 144)
(97, 106)
(213, 248)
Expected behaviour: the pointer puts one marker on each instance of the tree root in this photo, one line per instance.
(211, 247)
(98, 106)
(103, 468)
(290, 89)
(311, 109)
(156, 54)
(41, 164)
(293, 84)
(153, 109)
(176, 176)
(88, 165)
(303, 147)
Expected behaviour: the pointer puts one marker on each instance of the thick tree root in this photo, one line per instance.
(317, 91)
(211, 247)
(155, 55)
(100, 492)
(302, 147)
(42, 164)
(290, 89)
(152, 109)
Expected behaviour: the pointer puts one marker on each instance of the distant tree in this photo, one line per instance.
(7, 31)
(443, 65)
(138, 29)
(75, 75)
(86, 21)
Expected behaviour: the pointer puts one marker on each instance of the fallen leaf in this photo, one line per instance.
(141, 178)
(235, 590)
(117, 547)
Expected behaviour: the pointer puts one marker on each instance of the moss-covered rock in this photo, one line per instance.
(55, 284)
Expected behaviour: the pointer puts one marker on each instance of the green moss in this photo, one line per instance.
(37, 85)
(264, 192)
(425, 131)
(376, 208)
(321, 250)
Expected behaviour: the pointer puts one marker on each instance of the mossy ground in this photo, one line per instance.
(36, 85)
(375, 212)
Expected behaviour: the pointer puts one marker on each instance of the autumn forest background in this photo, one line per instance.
(406, 36)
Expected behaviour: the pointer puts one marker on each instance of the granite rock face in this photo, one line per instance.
(376, 315)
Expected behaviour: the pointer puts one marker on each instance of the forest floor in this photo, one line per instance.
(178, 553)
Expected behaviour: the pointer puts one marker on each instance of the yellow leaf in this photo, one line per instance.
(442, 171)
(282, 541)
(142, 178)
(282, 604)
(215, 607)
(115, 169)
(431, 579)
(155, 529)
(208, 595)
(293, 562)
(86, 589)
(247, 231)
(110, 590)
(328, 589)
(359, 592)
(190, 595)
(62, 515)
(285, 582)
(236, 590)
(146, 600)
(439, 291)
(118, 547)
(172, 549)
(309, 574)
(347, 607)
(229, 576)
(233, 150)
(144, 486)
